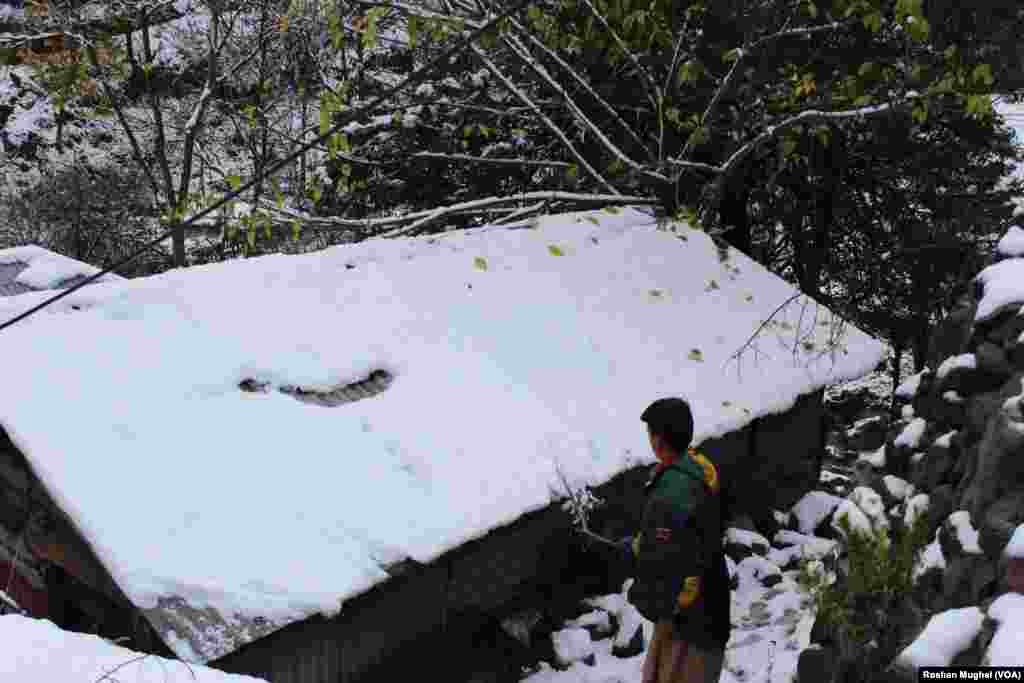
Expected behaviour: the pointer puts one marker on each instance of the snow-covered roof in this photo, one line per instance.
(33, 268)
(513, 353)
(36, 650)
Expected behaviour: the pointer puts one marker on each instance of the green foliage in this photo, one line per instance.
(880, 573)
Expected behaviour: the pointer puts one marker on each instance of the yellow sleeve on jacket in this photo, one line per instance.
(710, 472)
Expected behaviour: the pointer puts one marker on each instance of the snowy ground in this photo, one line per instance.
(771, 626)
(36, 651)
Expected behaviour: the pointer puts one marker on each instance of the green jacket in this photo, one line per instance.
(680, 533)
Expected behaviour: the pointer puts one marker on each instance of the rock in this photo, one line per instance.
(999, 523)
(970, 381)
(633, 648)
(771, 580)
(934, 468)
(590, 660)
(951, 336)
(992, 359)
(868, 434)
(816, 665)
(941, 505)
(967, 579)
(737, 551)
(999, 468)
(979, 410)
(1004, 331)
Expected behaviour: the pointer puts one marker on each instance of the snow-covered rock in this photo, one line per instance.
(572, 645)
(911, 435)
(1015, 548)
(946, 635)
(908, 389)
(916, 506)
(1007, 646)
(1012, 243)
(813, 509)
(897, 488)
(964, 360)
(966, 534)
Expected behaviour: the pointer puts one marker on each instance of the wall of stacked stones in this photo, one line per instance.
(965, 450)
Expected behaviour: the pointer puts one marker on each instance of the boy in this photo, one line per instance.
(681, 582)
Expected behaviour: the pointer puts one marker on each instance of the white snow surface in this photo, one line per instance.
(745, 537)
(966, 534)
(875, 458)
(1001, 286)
(1012, 243)
(896, 487)
(47, 269)
(1007, 646)
(952, 397)
(945, 441)
(36, 650)
(1015, 548)
(910, 436)
(814, 507)
(946, 635)
(909, 387)
(572, 645)
(760, 615)
(510, 362)
(868, 500)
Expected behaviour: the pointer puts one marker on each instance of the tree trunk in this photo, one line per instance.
(894, 374)
(733, 211)
(178, 242)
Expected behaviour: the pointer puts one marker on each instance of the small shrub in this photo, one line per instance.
(858, 605)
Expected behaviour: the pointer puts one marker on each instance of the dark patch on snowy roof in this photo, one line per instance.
(9, 272)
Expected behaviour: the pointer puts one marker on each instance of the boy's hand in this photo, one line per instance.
(690, 592)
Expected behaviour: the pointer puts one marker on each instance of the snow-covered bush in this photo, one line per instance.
(856, 604)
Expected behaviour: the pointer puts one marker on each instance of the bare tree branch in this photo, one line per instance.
(474, 205)
(525, 99)
(520, 50)
(654, 93)
(583, 83)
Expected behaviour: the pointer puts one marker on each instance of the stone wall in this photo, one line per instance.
(536, 565)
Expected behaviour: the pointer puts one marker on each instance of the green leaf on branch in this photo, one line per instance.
(732, 55)
(413, 29)
(983, 74)
(789, 146)
(480, 262)
(555, 250)
(873, 22)
(234, 182)
(698, 137)
(690, 71)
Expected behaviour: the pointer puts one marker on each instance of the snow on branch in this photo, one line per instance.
(808, 116)
(432, 214)
(520, 50)
(583, 83)
(552, 126)
(489, 160)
